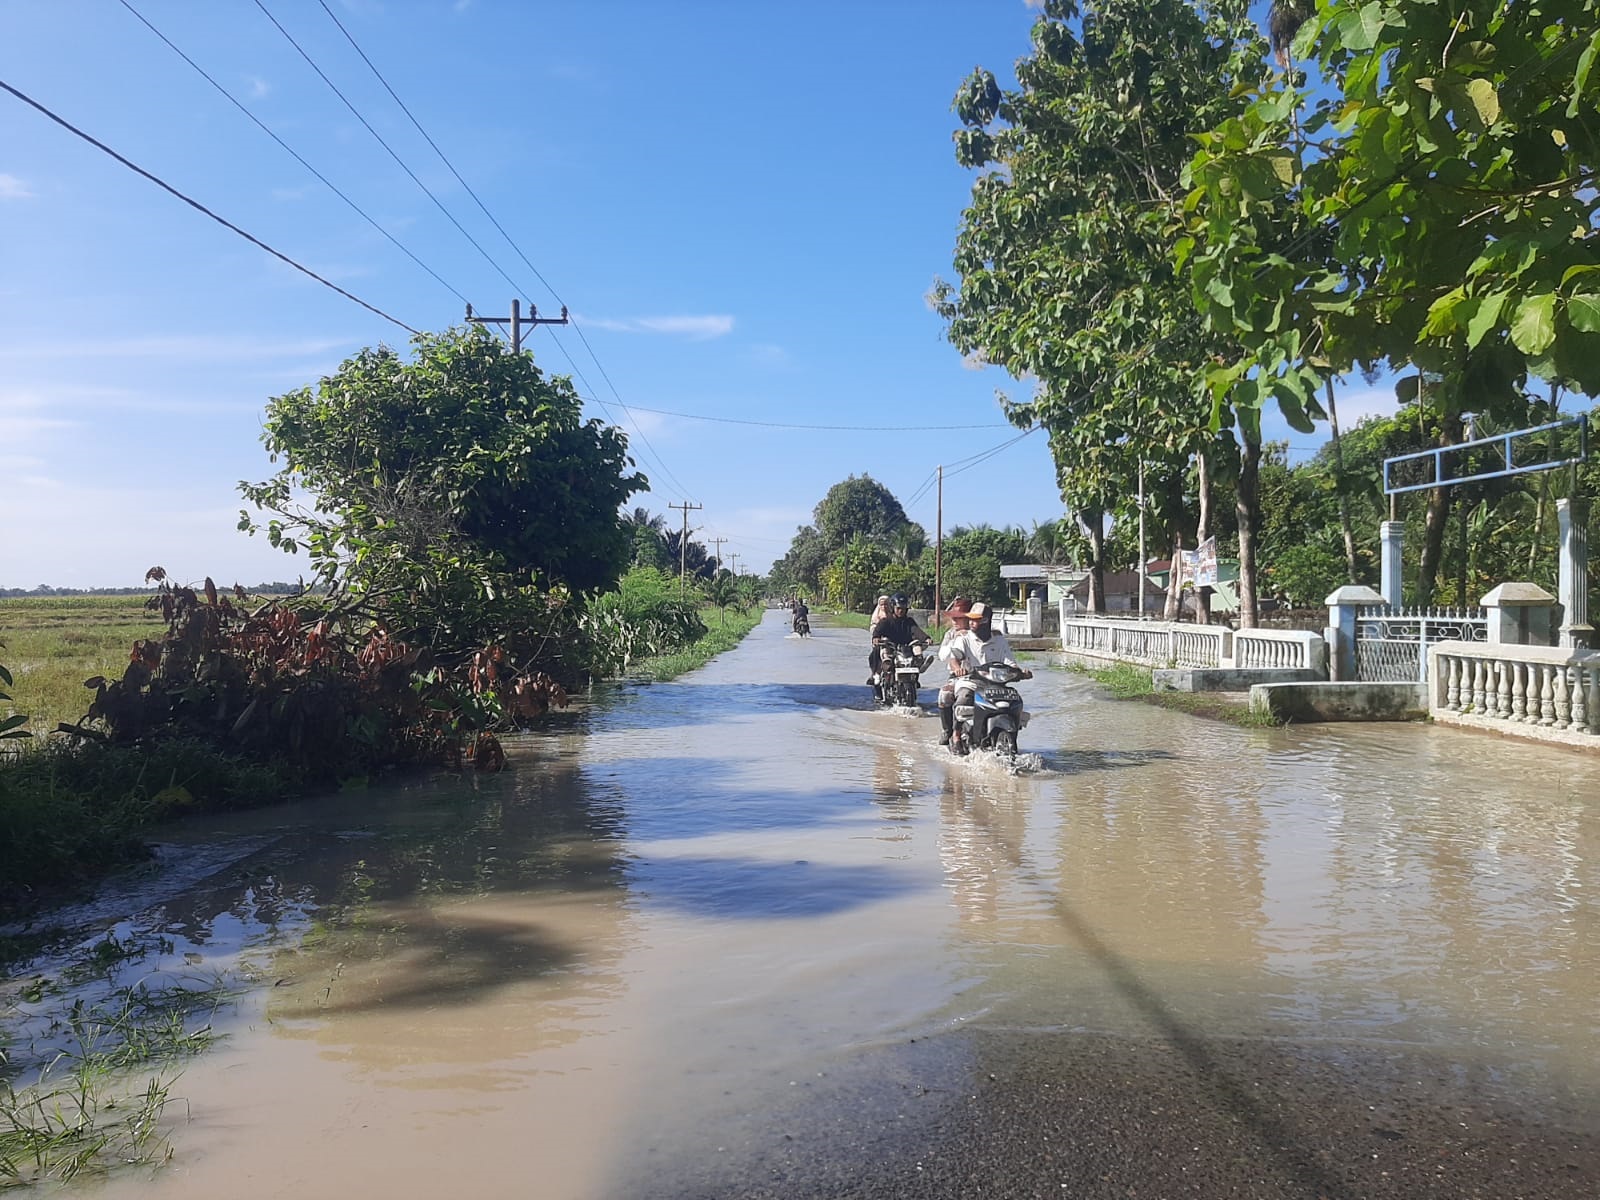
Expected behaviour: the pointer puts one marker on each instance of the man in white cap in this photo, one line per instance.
(979, 646)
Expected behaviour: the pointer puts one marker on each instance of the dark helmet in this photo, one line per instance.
(899, 600)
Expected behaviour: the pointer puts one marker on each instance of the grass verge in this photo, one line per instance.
(849, 620)
(724, 631)
(90, 1089)
(1127, 682)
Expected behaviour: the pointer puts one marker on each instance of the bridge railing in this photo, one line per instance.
(1551, 692)
(1296, 649)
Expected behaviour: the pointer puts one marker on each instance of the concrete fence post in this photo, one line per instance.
(1344, 606)
(1391, 535)
(1521, 614)
(1572, 590)
(1035, 616)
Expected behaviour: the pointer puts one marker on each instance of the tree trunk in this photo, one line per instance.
(1202, 599)
(1344, 499)
(1247, 502)
(1092, 524)
(1435, 519)
(1174, 584)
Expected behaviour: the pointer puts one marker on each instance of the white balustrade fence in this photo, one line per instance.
(1151, 643)
(1539, 691)
(1278, 649)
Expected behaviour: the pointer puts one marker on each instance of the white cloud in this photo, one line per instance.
(461, 6)
(769, 355)
(1356, 406)
(294, 193)
(695, 328)
(12, 188)
(259, 87)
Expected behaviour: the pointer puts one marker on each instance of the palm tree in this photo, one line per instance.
(1048, 543)
(722, 591)
(643, 518)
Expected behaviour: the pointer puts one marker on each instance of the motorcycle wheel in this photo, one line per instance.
(1005, 743)
(907, 693)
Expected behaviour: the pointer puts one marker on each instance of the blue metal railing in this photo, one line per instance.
(1505, 441)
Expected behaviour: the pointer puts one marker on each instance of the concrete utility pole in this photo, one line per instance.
(518, 322)
(735, 559)
(719, 542)
(1139, 570)
(938, 554)
(683, 546)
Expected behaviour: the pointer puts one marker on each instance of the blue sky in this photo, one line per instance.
(744, 205)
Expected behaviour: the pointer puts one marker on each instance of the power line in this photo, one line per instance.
(195, 204)
(637, 428)
(442, 158)
(439, 204)
(268, 131)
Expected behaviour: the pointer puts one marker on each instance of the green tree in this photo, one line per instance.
(1063, 255)
(1435, 208)
(441, 485)
(860, 506)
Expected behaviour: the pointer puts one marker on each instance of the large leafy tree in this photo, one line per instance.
(442, 485)
(1066, 277)
(1438, 186)
(860, 506)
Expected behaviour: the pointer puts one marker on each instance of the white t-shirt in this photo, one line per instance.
(967, 648)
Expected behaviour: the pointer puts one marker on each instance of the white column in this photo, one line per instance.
(1392, 535)
(1572, 589)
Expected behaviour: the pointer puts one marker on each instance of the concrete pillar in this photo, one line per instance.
(1572, 590)
(1391, 535)
(1521, 614)
(1344, 606)
(1035, 616)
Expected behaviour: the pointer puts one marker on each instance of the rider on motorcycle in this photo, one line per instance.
(979, 646)
(899, 628)
(957, 612)
(802, 614)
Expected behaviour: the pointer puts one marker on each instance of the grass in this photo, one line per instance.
(850, 620)
(99, 1073)
(720, 635)
(1128, 682)
(53, 643)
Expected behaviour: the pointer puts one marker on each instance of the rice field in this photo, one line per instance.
(51, 644)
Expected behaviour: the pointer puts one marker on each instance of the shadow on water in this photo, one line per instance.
(647, 705)
(759, 889)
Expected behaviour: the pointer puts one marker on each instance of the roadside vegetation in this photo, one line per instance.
(1125, 681)
(475, 569)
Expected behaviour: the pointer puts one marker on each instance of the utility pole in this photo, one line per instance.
(518, 322)
(719, 542)
(1139, 582)
(683, 546)
(938, 555)
(735, 559)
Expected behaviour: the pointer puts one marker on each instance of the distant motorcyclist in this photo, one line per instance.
(899, 628)
(979, 646)
(802, 614)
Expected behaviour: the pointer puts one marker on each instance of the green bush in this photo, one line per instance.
(643, 618)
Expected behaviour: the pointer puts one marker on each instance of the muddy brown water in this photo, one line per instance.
(695, 918)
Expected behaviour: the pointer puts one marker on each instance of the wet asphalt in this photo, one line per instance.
(1028, 1115)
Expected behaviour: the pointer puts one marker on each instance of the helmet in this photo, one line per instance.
(899, 600)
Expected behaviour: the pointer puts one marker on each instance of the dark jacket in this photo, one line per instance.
(902, 631)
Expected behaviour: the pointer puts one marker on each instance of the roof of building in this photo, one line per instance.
(1026, 571)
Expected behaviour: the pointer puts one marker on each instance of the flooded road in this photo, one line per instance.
(742, 935)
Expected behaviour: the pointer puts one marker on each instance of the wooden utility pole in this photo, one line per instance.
(735, 559)
(683, 546)
(518, 322)
(719, 542)
(938, 555)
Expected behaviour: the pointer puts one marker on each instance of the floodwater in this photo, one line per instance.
(693, 919)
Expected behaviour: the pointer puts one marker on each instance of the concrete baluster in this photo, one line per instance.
(1479, 694)
(1594, 695)
(1502, 700)
(1452, 674)
(1519, 692)
(1547, 695)
(1563, 697)
(1580, 698)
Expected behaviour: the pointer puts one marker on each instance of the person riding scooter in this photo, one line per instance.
(899, 628)
(957, 612)
(979, 646)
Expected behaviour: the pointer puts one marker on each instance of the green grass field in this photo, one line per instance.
(51, 644)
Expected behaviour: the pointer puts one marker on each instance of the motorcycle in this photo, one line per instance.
(999, 702)
(900, 669)
(802, 624)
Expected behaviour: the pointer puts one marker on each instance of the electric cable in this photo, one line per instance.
(638, 429)
(195, 204)
(232, 99)
(439, 204)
